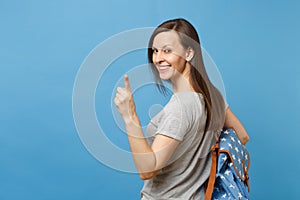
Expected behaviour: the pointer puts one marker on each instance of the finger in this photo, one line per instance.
(120, 97)
(127, 83)
(121, 90)
(116, 101)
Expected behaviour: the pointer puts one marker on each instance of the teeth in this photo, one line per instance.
(162, 68)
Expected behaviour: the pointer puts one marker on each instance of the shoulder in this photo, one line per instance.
(186, 104)
(187, 99)
(183, 105)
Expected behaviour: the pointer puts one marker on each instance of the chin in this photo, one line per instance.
(165, 78)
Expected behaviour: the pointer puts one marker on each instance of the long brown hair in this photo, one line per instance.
(199, 80)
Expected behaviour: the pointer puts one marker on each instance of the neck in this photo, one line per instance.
(181, 84)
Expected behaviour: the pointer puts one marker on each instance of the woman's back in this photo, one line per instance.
(185, 174)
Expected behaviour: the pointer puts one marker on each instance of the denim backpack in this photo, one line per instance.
(229, 177)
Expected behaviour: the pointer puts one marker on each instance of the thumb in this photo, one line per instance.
(127, 83)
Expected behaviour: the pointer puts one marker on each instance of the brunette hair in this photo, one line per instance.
(199, 80)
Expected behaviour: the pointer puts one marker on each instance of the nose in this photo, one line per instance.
(158, 57)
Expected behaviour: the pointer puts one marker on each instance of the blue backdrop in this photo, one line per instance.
(255, 45)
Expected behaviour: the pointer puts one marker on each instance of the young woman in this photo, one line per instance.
(175, 159)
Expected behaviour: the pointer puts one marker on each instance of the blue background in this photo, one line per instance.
(255, 45)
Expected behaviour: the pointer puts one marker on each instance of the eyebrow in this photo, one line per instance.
(162, 47)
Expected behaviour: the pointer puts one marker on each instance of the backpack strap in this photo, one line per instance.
(212, 176)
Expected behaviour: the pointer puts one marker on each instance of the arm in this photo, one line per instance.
(148, 160)
(231, 121)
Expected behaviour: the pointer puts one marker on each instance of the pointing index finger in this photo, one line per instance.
(127, 83)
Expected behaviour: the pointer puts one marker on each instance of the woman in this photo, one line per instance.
(175, 159)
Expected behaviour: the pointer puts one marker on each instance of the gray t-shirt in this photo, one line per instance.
(185, 174)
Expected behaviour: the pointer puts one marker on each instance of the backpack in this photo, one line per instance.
(229, 177)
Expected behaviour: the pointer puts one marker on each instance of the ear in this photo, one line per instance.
(189, 54)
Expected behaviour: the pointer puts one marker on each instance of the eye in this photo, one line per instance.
(167, 50)
(154, 50)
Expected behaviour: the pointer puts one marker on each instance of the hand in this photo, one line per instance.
(124, 101)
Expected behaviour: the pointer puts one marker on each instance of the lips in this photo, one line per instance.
(163, 69)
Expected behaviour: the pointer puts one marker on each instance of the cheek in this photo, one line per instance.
(174, 59)
(153, 57)
(179, 63)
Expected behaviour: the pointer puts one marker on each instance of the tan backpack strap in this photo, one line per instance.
(212, 176)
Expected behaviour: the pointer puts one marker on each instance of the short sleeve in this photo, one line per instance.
(176, 121)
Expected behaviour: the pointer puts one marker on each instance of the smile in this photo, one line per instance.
(163, 69)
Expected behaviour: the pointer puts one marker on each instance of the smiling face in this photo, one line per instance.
(169, 56)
